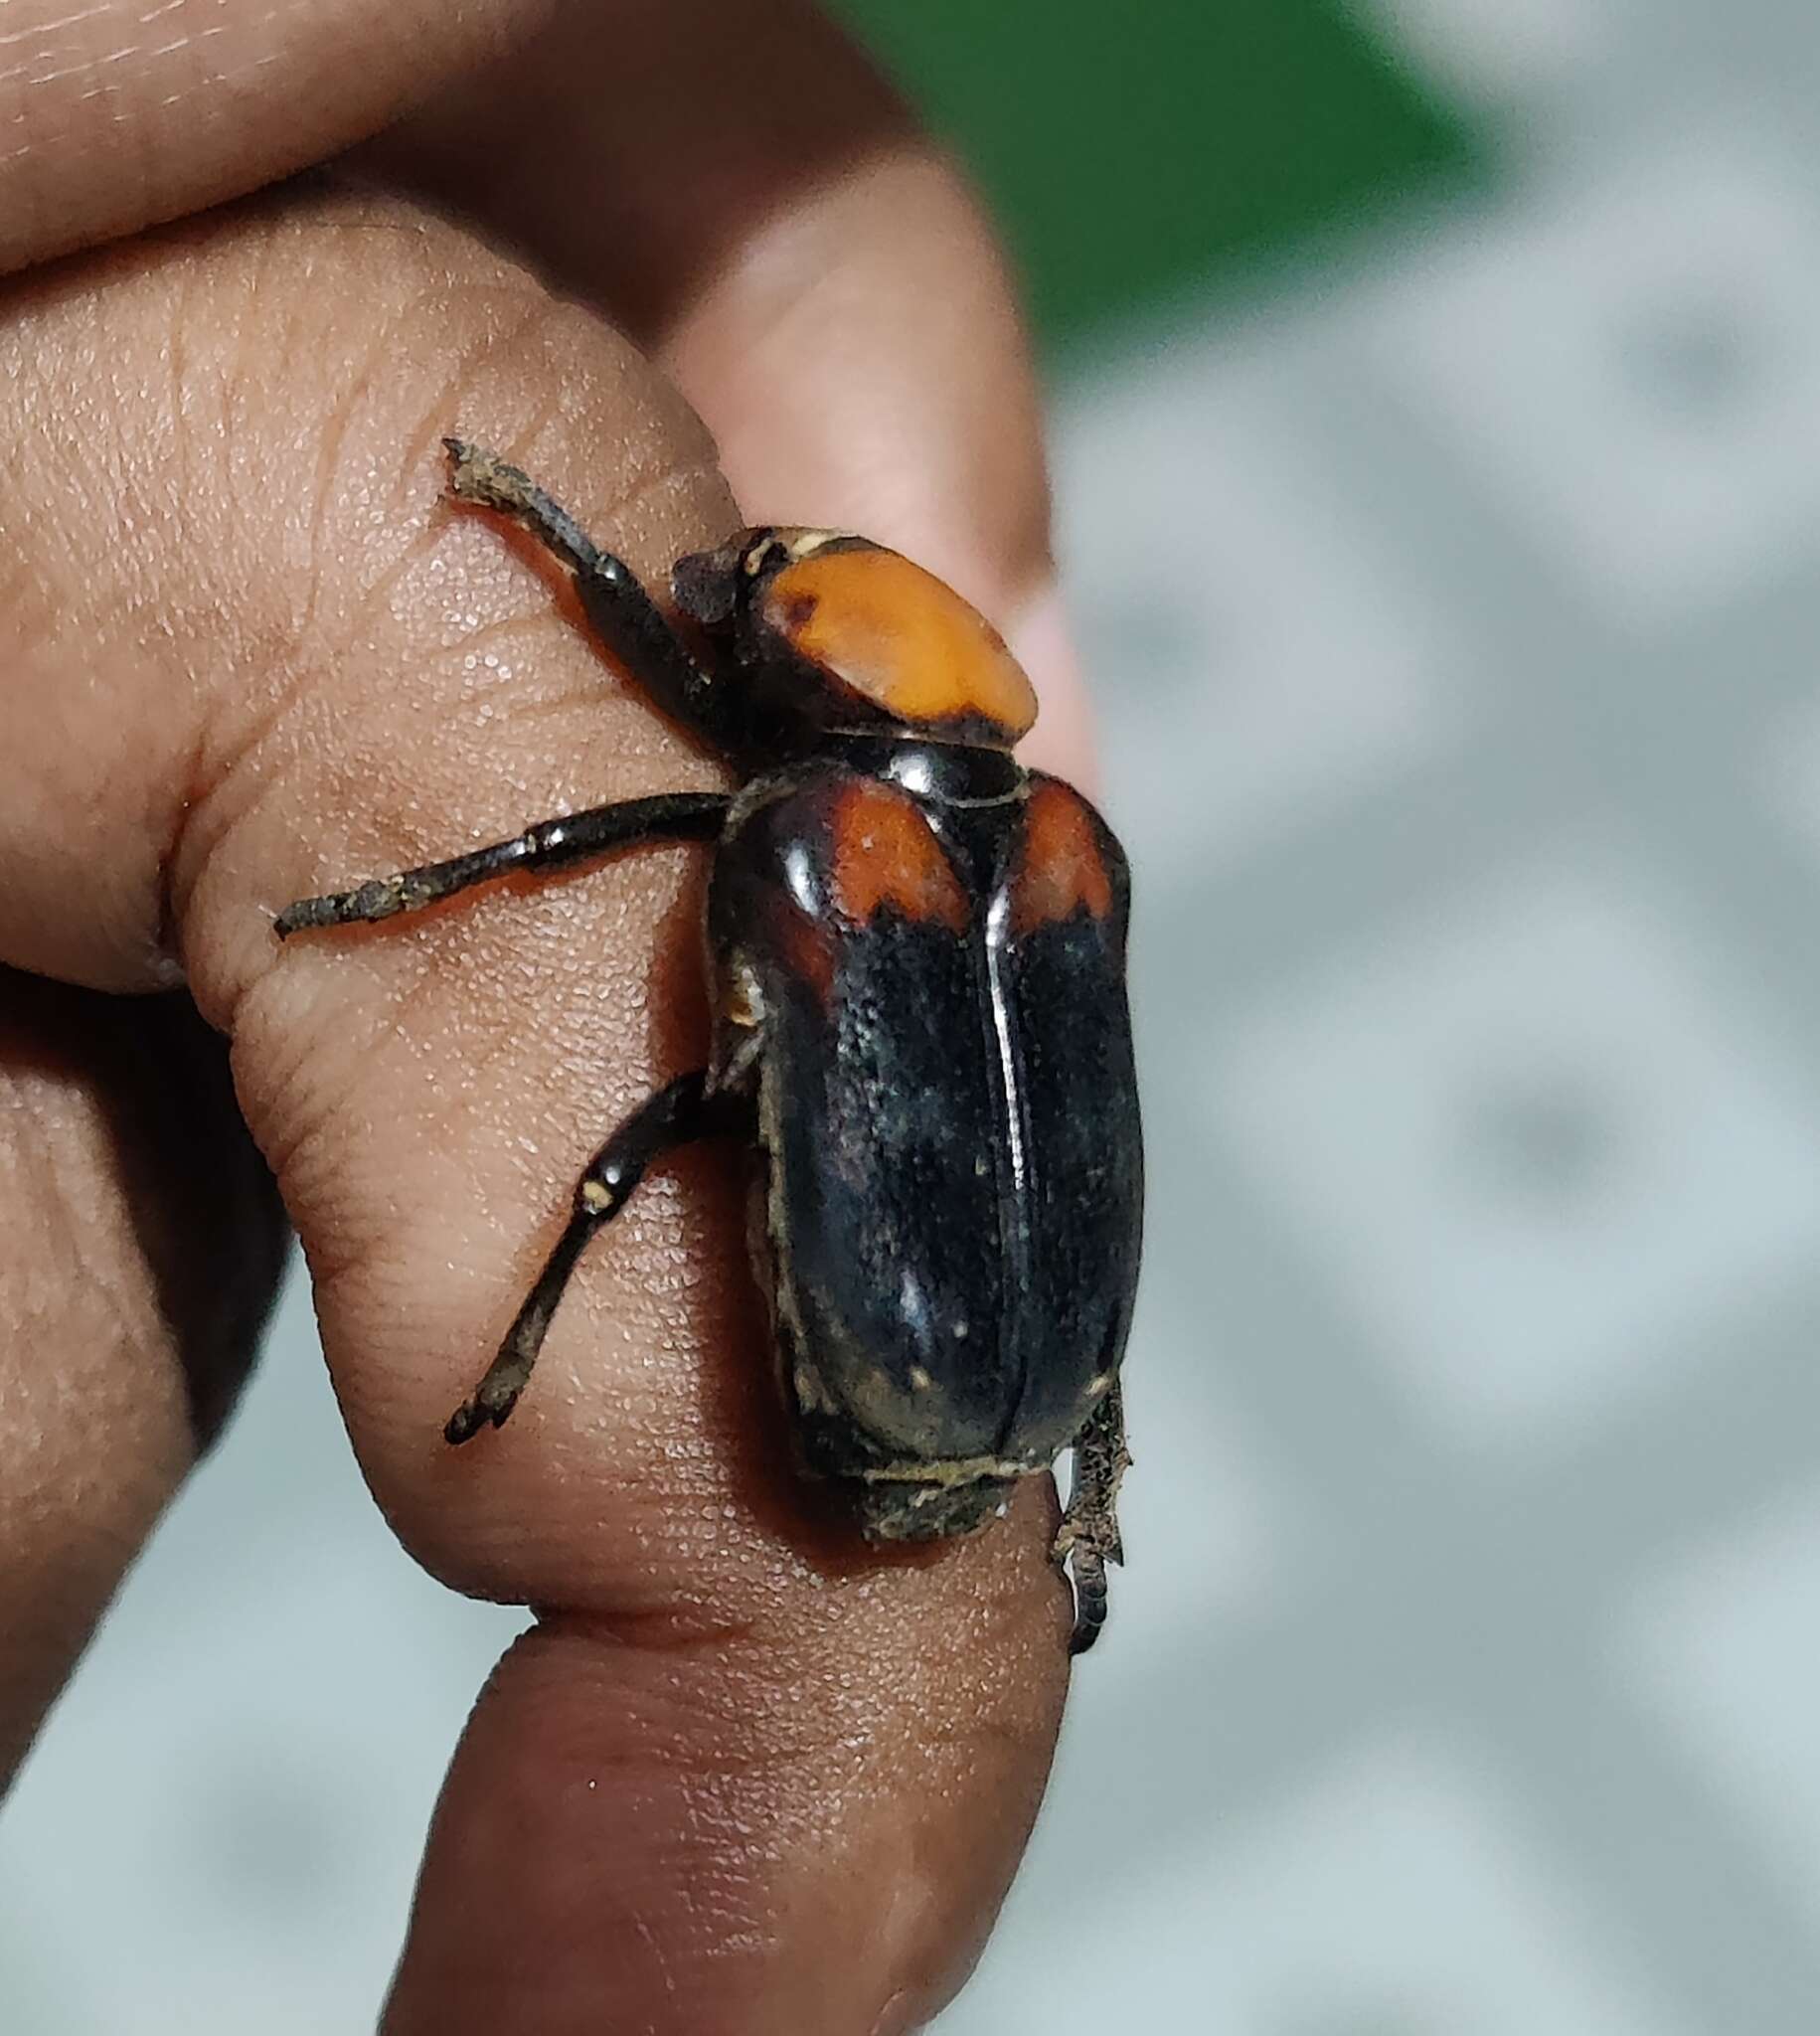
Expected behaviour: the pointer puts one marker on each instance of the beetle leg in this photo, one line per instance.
(624, 616)
(677, 1114)
(570, 838)
(1088, 1536)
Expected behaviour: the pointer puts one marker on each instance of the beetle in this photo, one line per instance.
(916, 957)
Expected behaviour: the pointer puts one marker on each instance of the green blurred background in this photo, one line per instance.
(1127, 168)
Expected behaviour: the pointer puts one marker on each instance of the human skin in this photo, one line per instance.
(742, 1775)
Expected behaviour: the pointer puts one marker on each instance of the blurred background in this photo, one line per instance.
(1437, 397)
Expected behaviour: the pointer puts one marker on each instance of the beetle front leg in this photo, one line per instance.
(624, 615)
(676, 1114)
(1088, 1536)
(550, 845)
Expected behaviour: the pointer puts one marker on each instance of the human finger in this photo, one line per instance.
(765, 215)
(143, 1245)
(120, 114)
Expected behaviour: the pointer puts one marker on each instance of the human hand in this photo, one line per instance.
(742, 1775)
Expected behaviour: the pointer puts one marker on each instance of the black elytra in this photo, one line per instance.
(918, 967)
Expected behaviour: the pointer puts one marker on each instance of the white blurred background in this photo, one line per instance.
(1454, 599)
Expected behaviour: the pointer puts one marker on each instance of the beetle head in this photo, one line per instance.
(716, 589)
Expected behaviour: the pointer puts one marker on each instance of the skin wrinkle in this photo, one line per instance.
(224, 768)
(249, 744)
(10, 37)
(168, 936)
(542, 319)
(337, 425)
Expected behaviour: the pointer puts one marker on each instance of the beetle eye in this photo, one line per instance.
(704, 584)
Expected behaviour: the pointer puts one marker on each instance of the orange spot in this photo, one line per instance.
(901, 638)
(884, 853)
(807, 949)
(1061, 867)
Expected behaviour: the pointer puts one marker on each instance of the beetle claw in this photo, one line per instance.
(465, 1424)
(1088, 1570)
(1085, 1544)
(1088, 1537)
(484, 1410)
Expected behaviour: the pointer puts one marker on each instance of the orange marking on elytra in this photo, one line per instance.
(1060, 867)
(885, 853)
(807, 948)
(901, 638)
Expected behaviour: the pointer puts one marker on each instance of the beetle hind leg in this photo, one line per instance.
(1088, 1537)
(678, 1113)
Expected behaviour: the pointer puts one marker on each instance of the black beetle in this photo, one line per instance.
(918, 953)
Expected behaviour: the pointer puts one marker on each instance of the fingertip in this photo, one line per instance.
(800, 1823)
(863, 364)
(862, 361)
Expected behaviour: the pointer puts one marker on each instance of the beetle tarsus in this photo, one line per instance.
(497, 1393)
(471, 1418)
(476, 474)
(379, 899)
(1089, 1538)
(510, 1372)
